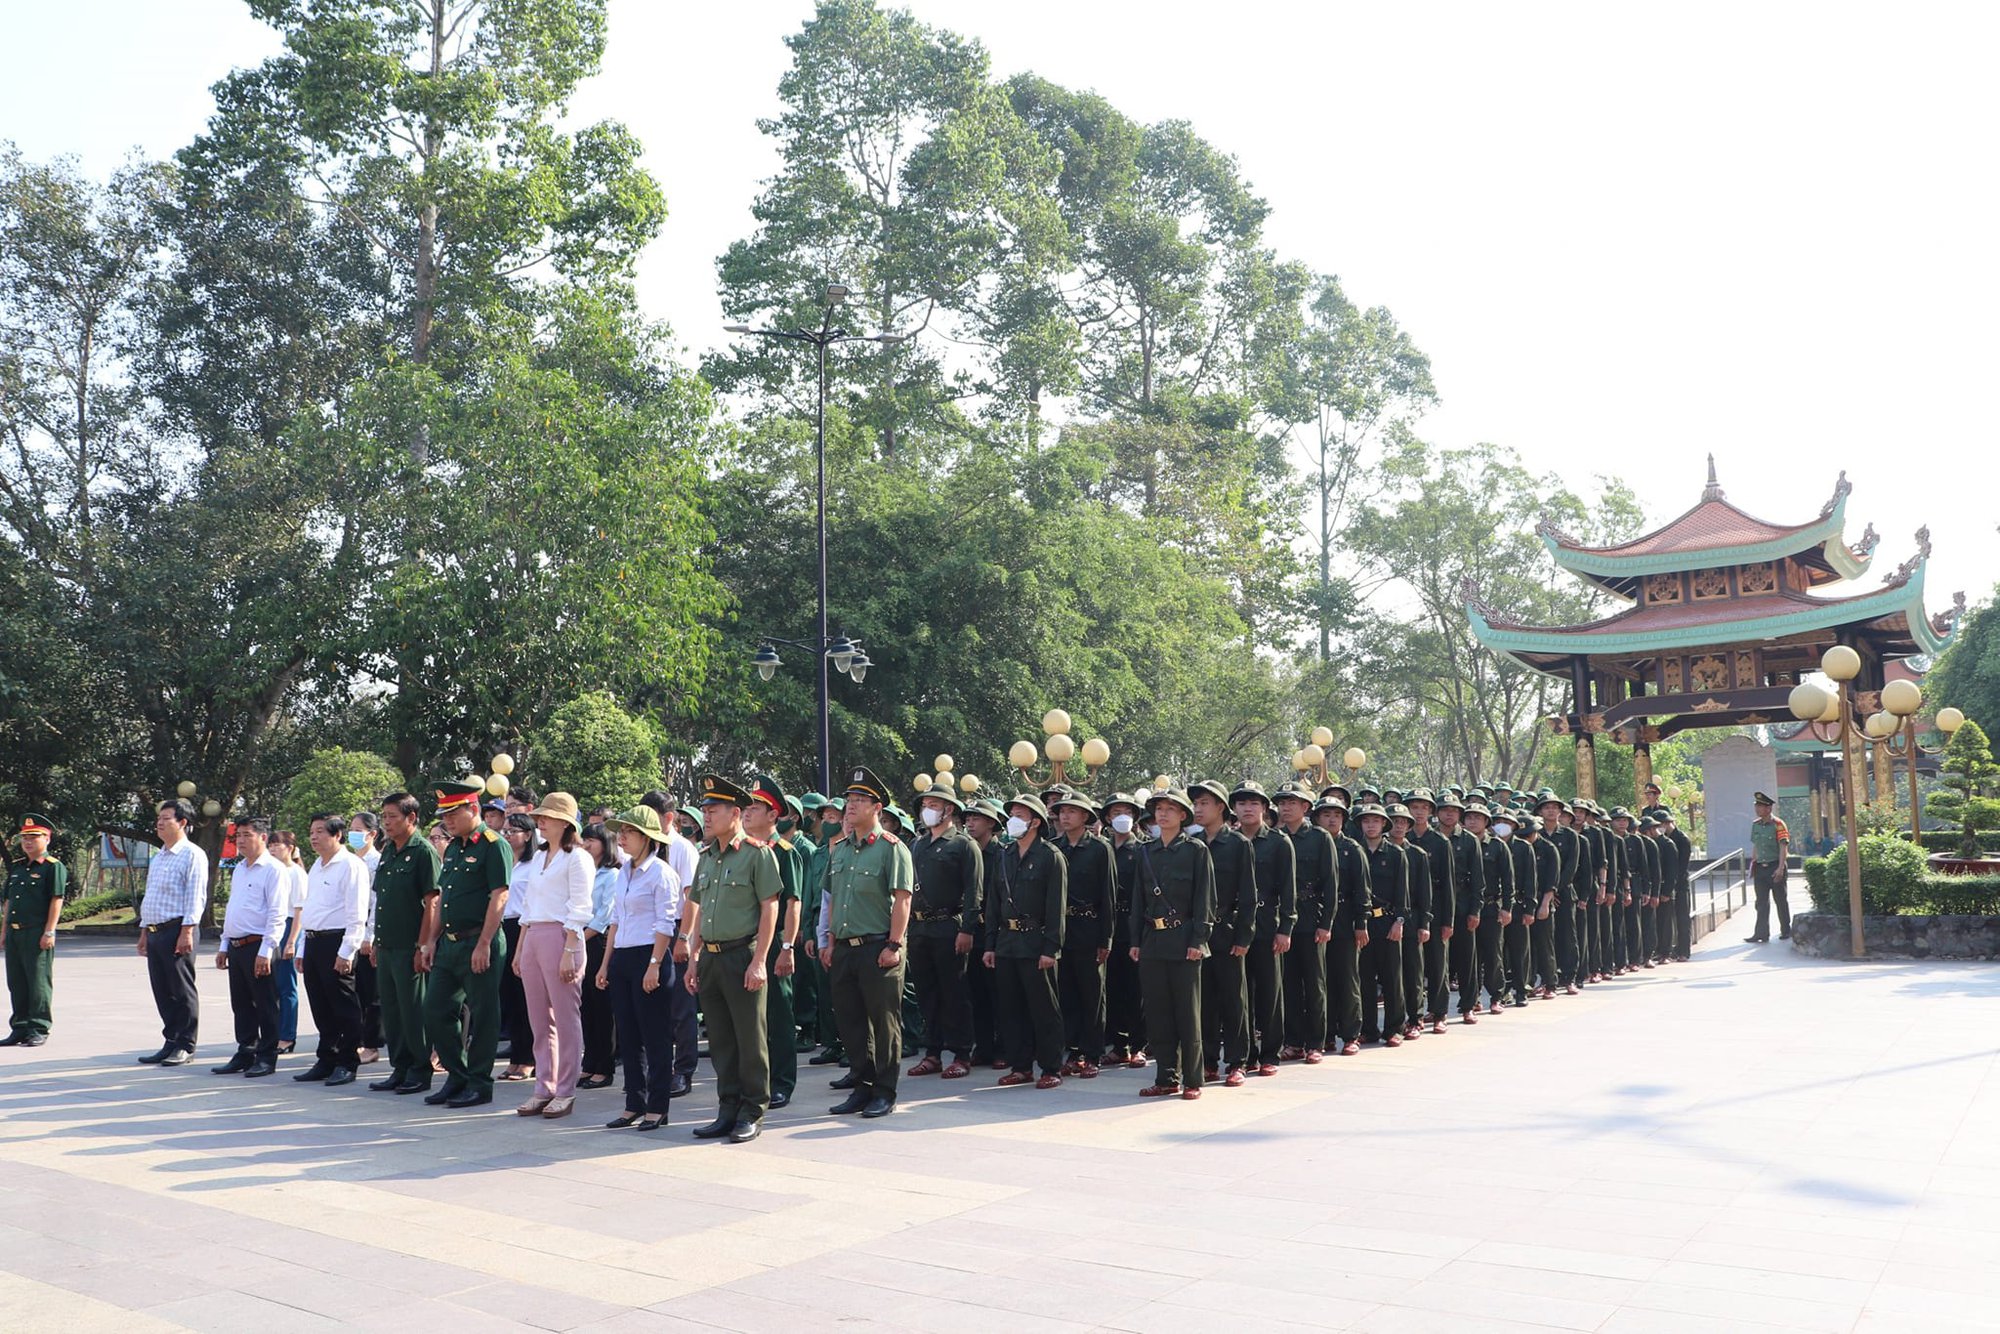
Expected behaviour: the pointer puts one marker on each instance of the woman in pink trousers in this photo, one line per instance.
(554, 892)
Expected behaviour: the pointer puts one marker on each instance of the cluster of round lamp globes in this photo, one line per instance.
(1311, 758)
(1811, 702)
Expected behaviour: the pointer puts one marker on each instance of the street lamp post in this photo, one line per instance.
(1895, 727)
(848, 658)
(820, 339)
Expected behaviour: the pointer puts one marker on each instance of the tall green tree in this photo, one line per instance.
(1967, 674)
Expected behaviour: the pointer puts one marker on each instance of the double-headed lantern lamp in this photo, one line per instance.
(186, 789)
(1311, 760)
(499, 783)
(1060, 748)
(1830, 716)
(945, 779)
(1894, 728)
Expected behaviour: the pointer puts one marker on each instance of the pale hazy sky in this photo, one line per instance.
(1627, 235)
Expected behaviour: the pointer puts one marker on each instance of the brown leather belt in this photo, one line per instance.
(238, 941)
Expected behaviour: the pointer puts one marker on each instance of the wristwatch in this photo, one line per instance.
(892, 944)
(786, 946)
(655, 962)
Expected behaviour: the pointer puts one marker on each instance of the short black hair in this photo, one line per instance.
(403, 803)
(657, 800)
(180, 808)
(256, 824)
(336, 825)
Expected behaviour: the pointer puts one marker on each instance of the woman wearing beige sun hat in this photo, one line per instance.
(554, 891)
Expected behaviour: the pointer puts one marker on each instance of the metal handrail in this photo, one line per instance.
(1730, 873)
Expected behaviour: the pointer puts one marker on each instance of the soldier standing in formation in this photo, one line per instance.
(1089, 909)
(950, 881)
(1224, 992)
(1172, 909)
(1026, 908)
(1123, 1013)
(1316, 894)
(1277, 918)
(732, 917)
(466, 957)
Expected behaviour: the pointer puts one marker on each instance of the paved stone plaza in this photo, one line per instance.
(1749, 1140)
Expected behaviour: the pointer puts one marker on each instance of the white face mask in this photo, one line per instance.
(1016, 826)
(1502, 828)
(1152, 831)
(1122, 823)
(933, 817)
(357, 839)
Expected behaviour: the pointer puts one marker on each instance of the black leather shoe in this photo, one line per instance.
(463, 1098)
(259, 1070)
(444, 1095)
(855, 1102)
(319, 1071)
(745, 1131)
(879, 1107)
(389, 1085)
(826, 1058)
(679, 1087)
(413, 1085)
(1755, 940)
(844, 1082)
(236, 1065)
(178, 1058)
(13, 1039)
(158, 1056)
(780, 1100)
(341, 1075)
(715, 1129)
(34, 1039)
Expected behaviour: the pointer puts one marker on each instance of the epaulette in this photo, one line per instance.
(491, 837)
(891, 837)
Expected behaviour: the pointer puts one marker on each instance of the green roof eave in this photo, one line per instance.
(1907, 598)
(1826, 532)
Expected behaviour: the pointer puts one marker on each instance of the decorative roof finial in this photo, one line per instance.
(1713, 491)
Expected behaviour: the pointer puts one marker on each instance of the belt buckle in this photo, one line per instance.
(852, 941)
(1159, 924)
(710, 947)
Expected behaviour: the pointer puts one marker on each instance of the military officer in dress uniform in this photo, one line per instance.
(36, 886)
(1422, 805)
(950, 882)
(1382, 961)
(1090, 908)
(1277, 918)
(730, 924)
(1124, 1016)
(763, 822)
(466, 958)
(806, 976)
(1468, 894)
(1351, 918)
(1315, 876)
(1172, 904)
(1224, 991)
(1026, 911)
(406, 921)
(869, 882)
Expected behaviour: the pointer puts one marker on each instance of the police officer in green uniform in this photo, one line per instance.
(735, 915)
(1026, 908)
(869, 881)
(1172, 904)
(832, 822)
(467, 957)
(950, 882)
(406, 920)
(1315, 884)
(762, 821)
(36, 886)
(1277, 918)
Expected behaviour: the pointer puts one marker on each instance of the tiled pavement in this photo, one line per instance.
(1748, 1141)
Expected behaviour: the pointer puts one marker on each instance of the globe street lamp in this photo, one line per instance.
(1895, 730)
(1820, 709)
(1060, 748)
(945, 780)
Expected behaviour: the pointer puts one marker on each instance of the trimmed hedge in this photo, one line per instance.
(1895, 879)
(1946, 840)
(75, 910)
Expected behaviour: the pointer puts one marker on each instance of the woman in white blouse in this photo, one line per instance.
(553, 889)
(644, 917)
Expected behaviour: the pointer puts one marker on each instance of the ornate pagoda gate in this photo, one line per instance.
(1724, 622)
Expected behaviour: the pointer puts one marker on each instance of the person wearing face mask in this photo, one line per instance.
(1124, 1013)
(363, 836)
(1225, 999)
(1350, 930)
(950, 882)
(1092, 900)
(1514, 937)
(832, 829)
(1277, 917)
(1314, 871)
(1026, 909)
(983, 822)
(332, 919)
(1172, 906)
(1559, 832)
(1468, 892)
(803, 831)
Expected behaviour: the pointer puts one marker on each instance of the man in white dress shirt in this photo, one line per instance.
(333, 923)
(252, 925)
(176, 889)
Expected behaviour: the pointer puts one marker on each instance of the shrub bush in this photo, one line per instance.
(1892, 882)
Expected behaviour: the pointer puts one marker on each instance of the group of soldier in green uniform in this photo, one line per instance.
(1212, 931)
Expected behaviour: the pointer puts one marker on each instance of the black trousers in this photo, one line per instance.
(368, 993)
(1615, 946)
(1542, 940)
(514, 1025)
(1569, 948)
(172, 977)
(1491, 974)
(1172, 997)
(1437, 975)
(253, 1002)
(1031, 1029)
(1414, 986)
(1305, 992)
(979, 991)
(1080, 992)
(600, 1047)
(937, 971)
(1225, 1008)
(1343, 988)
(645, 1025)
(1124, 1009)
(868, 1006)
(683, 1008)
(1683, 923)
(1603, 947)
(336, 1010)
(1514, 948)
(1264, 972)
(1381, 981)
(1465, 963)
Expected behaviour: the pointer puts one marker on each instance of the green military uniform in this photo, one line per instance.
(1316, 877)
(806, 975)
(1173, 907)
(1276, 876)
(866, 874)
(405, 880)
(950, 882)
(1382, 958)
(32, 886)
(780, 1026)
(1225, 990)
(1442, 876)
(733, 882)
(473, 870)
(1421, 919)
(1027, 903)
